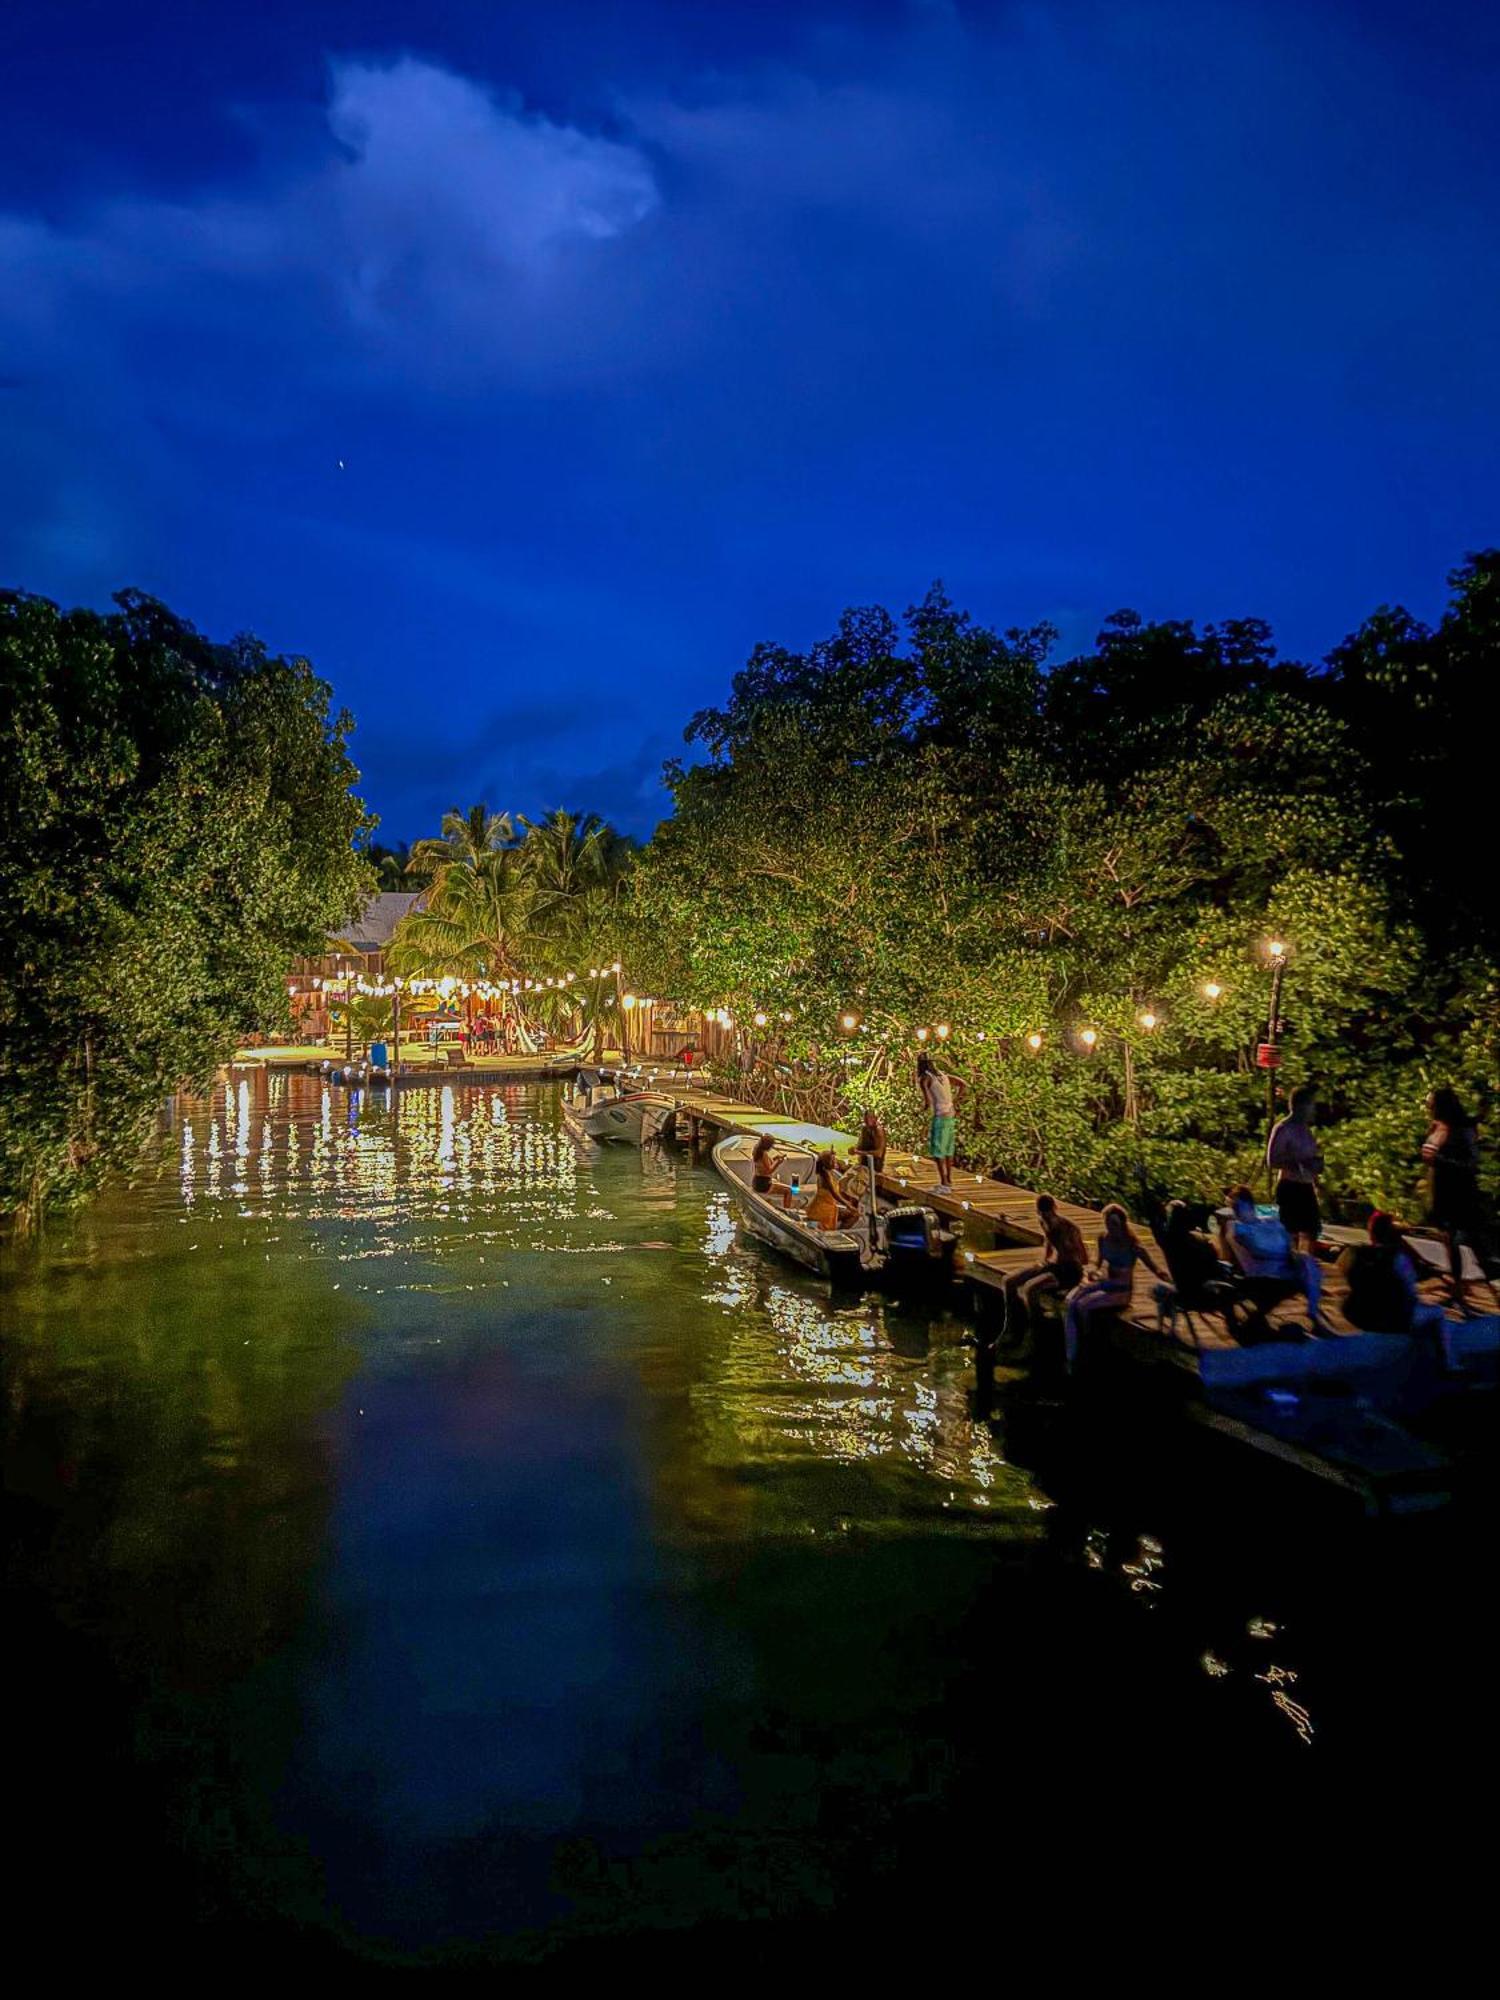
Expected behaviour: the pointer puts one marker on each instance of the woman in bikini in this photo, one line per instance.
(1120, 1250)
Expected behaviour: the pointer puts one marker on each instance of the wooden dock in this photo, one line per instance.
(1001, 1233)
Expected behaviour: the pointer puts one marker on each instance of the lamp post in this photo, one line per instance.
(1269, 1053)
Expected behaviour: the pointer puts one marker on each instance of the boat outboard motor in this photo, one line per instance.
(917, 1246)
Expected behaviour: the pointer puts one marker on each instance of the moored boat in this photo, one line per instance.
(631, 1118)
(841, 1255)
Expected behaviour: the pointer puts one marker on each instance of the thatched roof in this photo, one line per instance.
(373, 927)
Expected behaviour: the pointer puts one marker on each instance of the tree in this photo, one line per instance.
(922, 827)
(176, 826)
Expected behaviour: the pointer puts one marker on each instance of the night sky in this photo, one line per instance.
(524, 364)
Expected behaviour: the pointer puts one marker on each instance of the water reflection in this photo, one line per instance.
(499, 1542)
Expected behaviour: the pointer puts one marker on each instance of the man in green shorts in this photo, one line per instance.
(939, 1093)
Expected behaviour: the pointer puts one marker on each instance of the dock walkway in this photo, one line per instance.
(999, 1223)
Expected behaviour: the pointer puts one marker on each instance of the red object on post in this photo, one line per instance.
(1267, 1056)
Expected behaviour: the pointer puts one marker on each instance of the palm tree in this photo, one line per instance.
(466, 837)
(473, 923)
(576, 866)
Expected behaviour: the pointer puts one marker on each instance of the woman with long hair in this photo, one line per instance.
(1454, 1208)
(1109, 1286)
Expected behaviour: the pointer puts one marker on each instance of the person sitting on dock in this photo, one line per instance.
(1259, 1247)
(1113, 1279)
(763, 1164)
(1064, 1258)
(830, 1208)
(939, 1091)
(1201, 1280)
(1382, 1280)
(871, 1143)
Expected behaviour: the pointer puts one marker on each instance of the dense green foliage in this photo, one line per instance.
(925, 825)
(176, 826)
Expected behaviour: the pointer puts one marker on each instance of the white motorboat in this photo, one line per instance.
(632, 1118)
(598, 1107)
(777, 1218)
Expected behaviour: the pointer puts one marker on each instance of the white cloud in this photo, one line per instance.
(435, 212)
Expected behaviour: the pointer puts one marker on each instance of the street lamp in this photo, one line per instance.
(1268, 1055)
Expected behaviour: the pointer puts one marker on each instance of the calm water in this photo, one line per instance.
(427, 1537)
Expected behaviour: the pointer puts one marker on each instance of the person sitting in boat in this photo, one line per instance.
(1109, 1285)
(763, 1164)
(1382, 1280)
(1064, 1259)
(1259, 1247)
(830, 1207)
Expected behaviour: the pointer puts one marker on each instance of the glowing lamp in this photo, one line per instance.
(761, 1019)
(1276, 948)
(1148, 1020)
(1033, 1042)
(1088, 1037)
(942, 1031)
(628, 1002)
(921, 1034)
(1211, 989)
(849, 1022)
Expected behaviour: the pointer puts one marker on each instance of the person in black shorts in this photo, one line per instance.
(763, 1164)
(1292, 1155)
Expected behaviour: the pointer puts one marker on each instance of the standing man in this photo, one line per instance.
(1293, 1155)
(939, 1092)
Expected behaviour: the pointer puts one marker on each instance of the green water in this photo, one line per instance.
(427, 1535)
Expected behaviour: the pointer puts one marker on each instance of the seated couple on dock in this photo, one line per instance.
(1103, 1287)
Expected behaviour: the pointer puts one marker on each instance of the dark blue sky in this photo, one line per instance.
(645, 330)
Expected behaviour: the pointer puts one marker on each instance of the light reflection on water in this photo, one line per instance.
(536, 1506)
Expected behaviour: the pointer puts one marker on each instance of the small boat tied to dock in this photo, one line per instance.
(903, 1246)
(600, 1106)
